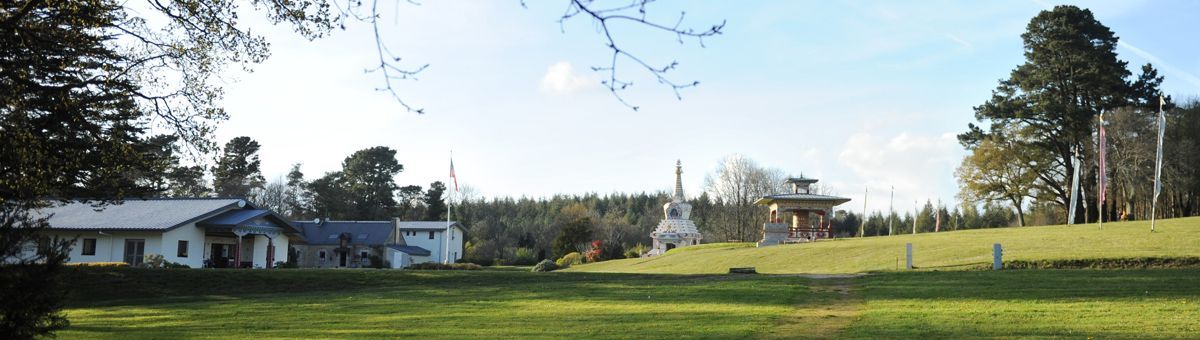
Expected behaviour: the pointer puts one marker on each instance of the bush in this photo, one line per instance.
(602, 251)
(98, 264)
(524, 257)
(173, 265)
(569, 259)
(152, 261)
(545, 266)
(442, 266)
(377, 262)
(636, 251)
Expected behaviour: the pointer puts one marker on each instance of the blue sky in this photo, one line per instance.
(856, 93)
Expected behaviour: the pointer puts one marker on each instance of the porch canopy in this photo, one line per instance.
(242, 222)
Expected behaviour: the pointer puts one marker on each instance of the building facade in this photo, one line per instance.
(397, 244)
(197, 232)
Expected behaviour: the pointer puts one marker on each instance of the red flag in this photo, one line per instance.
(1103, 160)
(455, 178)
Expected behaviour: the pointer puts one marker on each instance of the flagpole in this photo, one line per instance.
(862, 226)
(891, 209)
(449, 205)
(1162, 127)
(1100, 193)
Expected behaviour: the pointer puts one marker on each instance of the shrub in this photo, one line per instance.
(376, 262)
(98, 264)
(173, 265)
(569, 259)
(524, 257)
(442, 266)
(636, 251)
(603, 251)
(152, 261)
(545, 266)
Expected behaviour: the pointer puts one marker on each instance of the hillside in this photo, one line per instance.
(942, 251)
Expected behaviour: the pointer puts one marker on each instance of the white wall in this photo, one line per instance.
(437, 246)
(110, 247)
(170, 245)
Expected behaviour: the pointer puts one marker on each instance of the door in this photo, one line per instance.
(342, 258)
(135, 251)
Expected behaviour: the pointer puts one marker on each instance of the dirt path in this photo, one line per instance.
(833, 303)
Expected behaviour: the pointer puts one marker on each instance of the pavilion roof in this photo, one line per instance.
(801, 197)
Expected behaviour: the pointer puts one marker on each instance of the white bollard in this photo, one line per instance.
(909, 255)
(997, 257)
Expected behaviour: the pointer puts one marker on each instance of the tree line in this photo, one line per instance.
(1041, 127)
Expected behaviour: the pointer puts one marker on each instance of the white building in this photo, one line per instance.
(198, 232)
(353, 244)
(432, 235)
(676, 229)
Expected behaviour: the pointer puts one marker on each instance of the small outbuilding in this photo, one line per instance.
(798, 216)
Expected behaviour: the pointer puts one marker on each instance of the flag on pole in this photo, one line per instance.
(1101, 195)
(452, 176)
(1074, 189)
(937, 220)
(1162, 129)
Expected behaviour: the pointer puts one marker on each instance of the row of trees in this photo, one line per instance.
(1048, 112)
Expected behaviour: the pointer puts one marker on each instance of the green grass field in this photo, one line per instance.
(685, 298)
(943, 251)
(172, 304)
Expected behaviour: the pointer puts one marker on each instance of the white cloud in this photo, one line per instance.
(921, 167)
(561, 79)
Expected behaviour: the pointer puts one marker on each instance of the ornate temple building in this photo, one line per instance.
(798, 216)
(675, 230)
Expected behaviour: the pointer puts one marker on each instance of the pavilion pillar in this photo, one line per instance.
(237, 257)
(270, 252)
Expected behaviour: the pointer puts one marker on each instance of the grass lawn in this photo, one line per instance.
(133, 303)
(944, 251)
(129, 303)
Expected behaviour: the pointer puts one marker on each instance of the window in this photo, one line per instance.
(89, 246)
(183, 249)
(321, 255)
(363, 255)
(431, 235)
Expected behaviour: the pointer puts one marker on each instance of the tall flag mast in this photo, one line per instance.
(1074, 188)
(1162, 128)
(891, 209)
(1101, 193)
(862, 226)
(449, 204)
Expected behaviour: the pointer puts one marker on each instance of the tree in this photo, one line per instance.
(435, 205)
(299, 200)
(187, 181)
(237, 172)
(572, 234)
(1070, 76)
(1002, 167)
(369, 178)
(329, 196)
(409, 200)
(738, 182)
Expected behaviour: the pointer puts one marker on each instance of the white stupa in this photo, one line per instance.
(675, 230)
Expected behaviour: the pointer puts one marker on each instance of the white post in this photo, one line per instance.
(908, 255)
(997, 256)
(862, 226)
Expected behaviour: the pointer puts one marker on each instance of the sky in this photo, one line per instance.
(862, 95)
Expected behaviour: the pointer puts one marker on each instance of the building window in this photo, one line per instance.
(321, 255)
(89, 246)
(363, 255)
(183, 249)
(431, 235)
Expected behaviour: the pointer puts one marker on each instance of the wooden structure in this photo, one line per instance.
(799, 216)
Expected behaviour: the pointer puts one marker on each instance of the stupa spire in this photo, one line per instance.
(678, 180)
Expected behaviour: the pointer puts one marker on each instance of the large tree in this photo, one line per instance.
(1070, 76)
(1001, 168)
(237, 173)
(368, 176)
(737, 183)
(435, 202)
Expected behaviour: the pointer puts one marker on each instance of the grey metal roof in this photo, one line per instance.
(427, 225)
(373, 233)
(802, 197)
(411, 250)
(137, 214)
